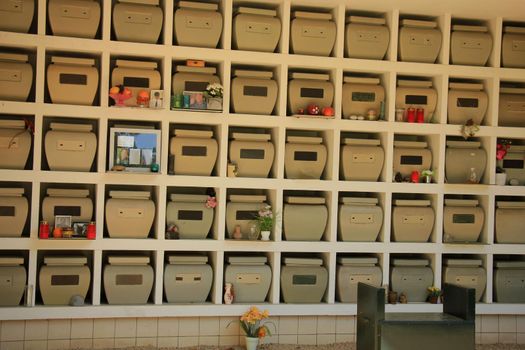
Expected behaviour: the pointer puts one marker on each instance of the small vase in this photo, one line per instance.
(253, 234)
(265, 235)
(214, 103)
(251, 343)
(434, 299)
(228, 294)
(501, 179)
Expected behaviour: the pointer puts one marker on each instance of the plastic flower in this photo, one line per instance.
(214, 90)
(434, 291)
(251, 323)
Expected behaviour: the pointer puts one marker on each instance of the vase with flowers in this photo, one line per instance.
(434, 294)
(264, 222)
(502, 149)
(254, 326)
(214, 94)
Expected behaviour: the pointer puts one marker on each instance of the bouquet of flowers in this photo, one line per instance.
(214, 90)
(434, 291)
(251, 323)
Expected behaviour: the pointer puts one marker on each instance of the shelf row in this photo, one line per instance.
(78, 277)
(297, 27)
(209, 214)
(265, 89)
(82, 145)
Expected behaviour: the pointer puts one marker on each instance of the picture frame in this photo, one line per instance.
(63, 221)
(156, 100)
(80, 229)
(134, 149)
(195, 99)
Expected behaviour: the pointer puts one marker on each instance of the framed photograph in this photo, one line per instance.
(134, 149)
(156, 100)
(196, 99)
(80, 229)
(63, 221)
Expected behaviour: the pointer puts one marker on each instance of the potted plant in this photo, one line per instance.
(252, 324)
(214, 93)
(434, 294)
(264, 222)
(427, 174)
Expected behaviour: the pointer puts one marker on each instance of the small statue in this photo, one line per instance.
(229, 294)
(403, 298)
(237, 232)
(143, 98)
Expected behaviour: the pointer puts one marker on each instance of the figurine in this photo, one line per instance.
(119, 94)
(237, 232)
(371, 114)
(229, 294)
(143, 98)
(403, 298)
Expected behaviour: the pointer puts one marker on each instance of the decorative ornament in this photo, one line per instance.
(328, 111)
(300, 111)
(469, 129)
(120, 94)
(143, 98)
(502, 148)
(211, 202)
(313, 109)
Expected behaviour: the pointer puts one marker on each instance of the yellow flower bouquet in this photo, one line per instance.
(252, 323)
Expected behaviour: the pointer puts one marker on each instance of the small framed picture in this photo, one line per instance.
(80, 229)
(156, 100)
(63, 221)
(194, 100)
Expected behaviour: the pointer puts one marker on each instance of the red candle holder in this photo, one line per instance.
(420, 115)
(43, 231)
(414, 177)
(411, 115)
(91, 230)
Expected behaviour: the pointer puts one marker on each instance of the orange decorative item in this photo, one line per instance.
(328, 111)
(143, 98)
(120, 94)
(57, 232)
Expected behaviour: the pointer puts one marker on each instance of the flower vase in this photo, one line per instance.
(253, 234)
(214, 103)
(251, 343)
(434, 299)
(265, 235)
(501, 179)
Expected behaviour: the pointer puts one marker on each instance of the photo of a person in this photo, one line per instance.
(157, 99)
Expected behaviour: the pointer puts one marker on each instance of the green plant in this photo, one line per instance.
(265, 218)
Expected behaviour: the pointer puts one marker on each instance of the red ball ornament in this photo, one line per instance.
(328, 111)
(313, 109)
